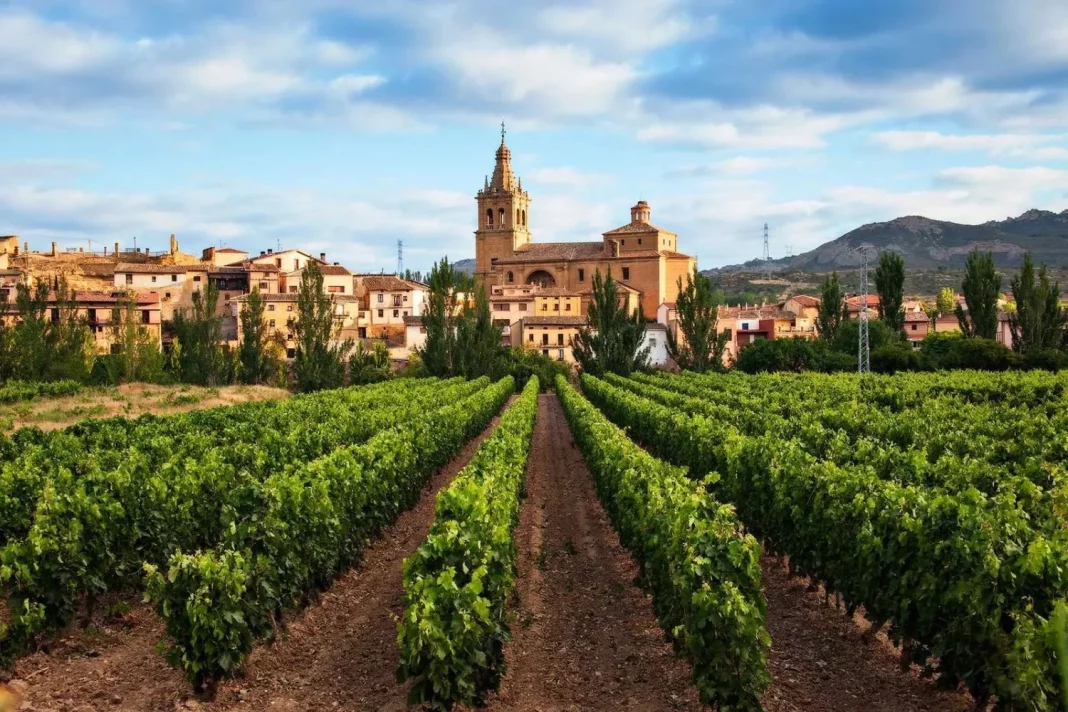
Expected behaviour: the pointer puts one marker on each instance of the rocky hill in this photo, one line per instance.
(933, 244)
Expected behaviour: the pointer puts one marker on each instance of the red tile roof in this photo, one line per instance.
(575, 321)
(556, 252)
(387, 283)
(805, 300)
(334, 270)
(637, 228)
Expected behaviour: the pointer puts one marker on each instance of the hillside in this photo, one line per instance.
(933, 244)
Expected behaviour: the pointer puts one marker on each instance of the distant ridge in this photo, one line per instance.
(930, 244)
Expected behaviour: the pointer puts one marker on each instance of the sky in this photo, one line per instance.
(342, 126)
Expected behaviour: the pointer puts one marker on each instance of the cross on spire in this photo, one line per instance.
(502, 133)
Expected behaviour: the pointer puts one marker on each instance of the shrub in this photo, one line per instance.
(894, 358)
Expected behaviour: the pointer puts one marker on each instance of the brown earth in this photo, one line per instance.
(131, 399)
(338, 654)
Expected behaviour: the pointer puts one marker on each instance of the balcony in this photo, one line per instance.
(786, 332)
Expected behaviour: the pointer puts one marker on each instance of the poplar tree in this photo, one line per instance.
(1038, 321)
(890, 286)
(198, 331)
(611, 341)
(137, 355)
(697, 307)
(832, 310)
(321, 353)
(980, 287)
(448, 288)
(946, 301)
(254, 353)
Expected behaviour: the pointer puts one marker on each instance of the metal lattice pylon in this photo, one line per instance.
(767, 254)
(863, 345)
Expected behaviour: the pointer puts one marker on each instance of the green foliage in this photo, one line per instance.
(137, 355)
(697, 307)
(461, 339)
(457, 584)
(847, 339)
(320, 354)
(611, 341)
(890, 285)
(701, 567)
(896, 357)
(370, 365)
(796, 354)
(15, 391)
(48, 341)
(981, 287)
(946, 302)
(259, 362)
(303, 526)
(833, 311)
(198, 358)
(525, 364)
(1039, 321)
(951, 533)
(82, 509)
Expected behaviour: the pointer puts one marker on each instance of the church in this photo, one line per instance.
(639, 254)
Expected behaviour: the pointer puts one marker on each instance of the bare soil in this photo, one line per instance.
(338, 654)
(585, 636)
(131, 400)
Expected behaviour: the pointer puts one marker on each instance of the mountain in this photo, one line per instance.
(933, 244)
(467, 266)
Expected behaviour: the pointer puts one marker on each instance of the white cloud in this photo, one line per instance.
(623, 26)
(1039, 147)
(567, 176)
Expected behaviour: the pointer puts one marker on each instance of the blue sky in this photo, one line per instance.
(345, 125)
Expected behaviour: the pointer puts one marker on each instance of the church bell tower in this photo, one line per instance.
(502, 216)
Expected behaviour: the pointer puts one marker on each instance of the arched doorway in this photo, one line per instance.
(541, 278)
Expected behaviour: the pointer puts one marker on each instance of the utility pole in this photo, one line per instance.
(863, 346)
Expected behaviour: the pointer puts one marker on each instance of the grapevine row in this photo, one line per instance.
(457, 584)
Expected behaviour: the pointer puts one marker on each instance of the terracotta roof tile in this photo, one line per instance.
(554, 320)
(387, 283)
(636, 228)
(556, 252)
(334, 270)
(291, 297)
(413, 321)
(805, 300)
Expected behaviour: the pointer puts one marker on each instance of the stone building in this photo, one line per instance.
(639, 254)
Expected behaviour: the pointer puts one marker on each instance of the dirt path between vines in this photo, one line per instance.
(820, 663)
(339, 654)
(585, 637)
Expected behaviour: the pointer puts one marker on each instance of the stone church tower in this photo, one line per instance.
(502, 215)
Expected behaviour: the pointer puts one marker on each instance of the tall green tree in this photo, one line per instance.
(833, 309)
(255, 354)
(198, 332)
(890, 285)
(441, 314)
(478, 342)
(611, 341)
(321, 352)
(136, 354)
(980, 287)
(946, 301)
(697, 307)
(48, 340)
(1038, 321)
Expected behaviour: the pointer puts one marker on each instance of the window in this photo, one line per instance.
(559, 339)
(639, 241)
(129, 279)
(489, 217)
(174, 278)
(530, 337)
(405, 313)
(626, 273)
(914, 327)
(728, 333)
(145, 317)
(567, 307)
(745, 326)
(55, 316)
(291, 353)
(522, 306)
(511, 277)
(293, 290)
(396, 312)
(652, 341)
(556, 306)
(396, 300)
(92, 316)
(559, 354)
(166, 295)
(524, 218)
(153, 279)
(622, 242)
(545, 352)
(381, 313)
(381, 298)
(544, 339)
(289, 307)
(335, 290)
(196, 278)
(544, 306)
(504, 307)
(278, 262)
(405, 297)
(271, 323)
(263, 286)
(501, 215)
(582, 275)
(270, 307)
(517, 217)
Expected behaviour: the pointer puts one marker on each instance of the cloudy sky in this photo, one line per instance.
(345, 125)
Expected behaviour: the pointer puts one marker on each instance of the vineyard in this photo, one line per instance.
(651, 542)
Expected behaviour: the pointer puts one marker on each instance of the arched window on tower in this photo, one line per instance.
(489, 217)
(511, 277)
(502, 217)
(524, 218)
(517, 220)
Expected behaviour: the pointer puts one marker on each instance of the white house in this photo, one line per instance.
(414, 333)
(389, 300)
(656, 340)
(287, 260)
(336, 279)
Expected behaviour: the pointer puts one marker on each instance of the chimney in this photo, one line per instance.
(174, 244)
(336, 264)
(26, 247)
(262, 253)
(322, 257)
(270, 251)
(53, 249)
(116, 249)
